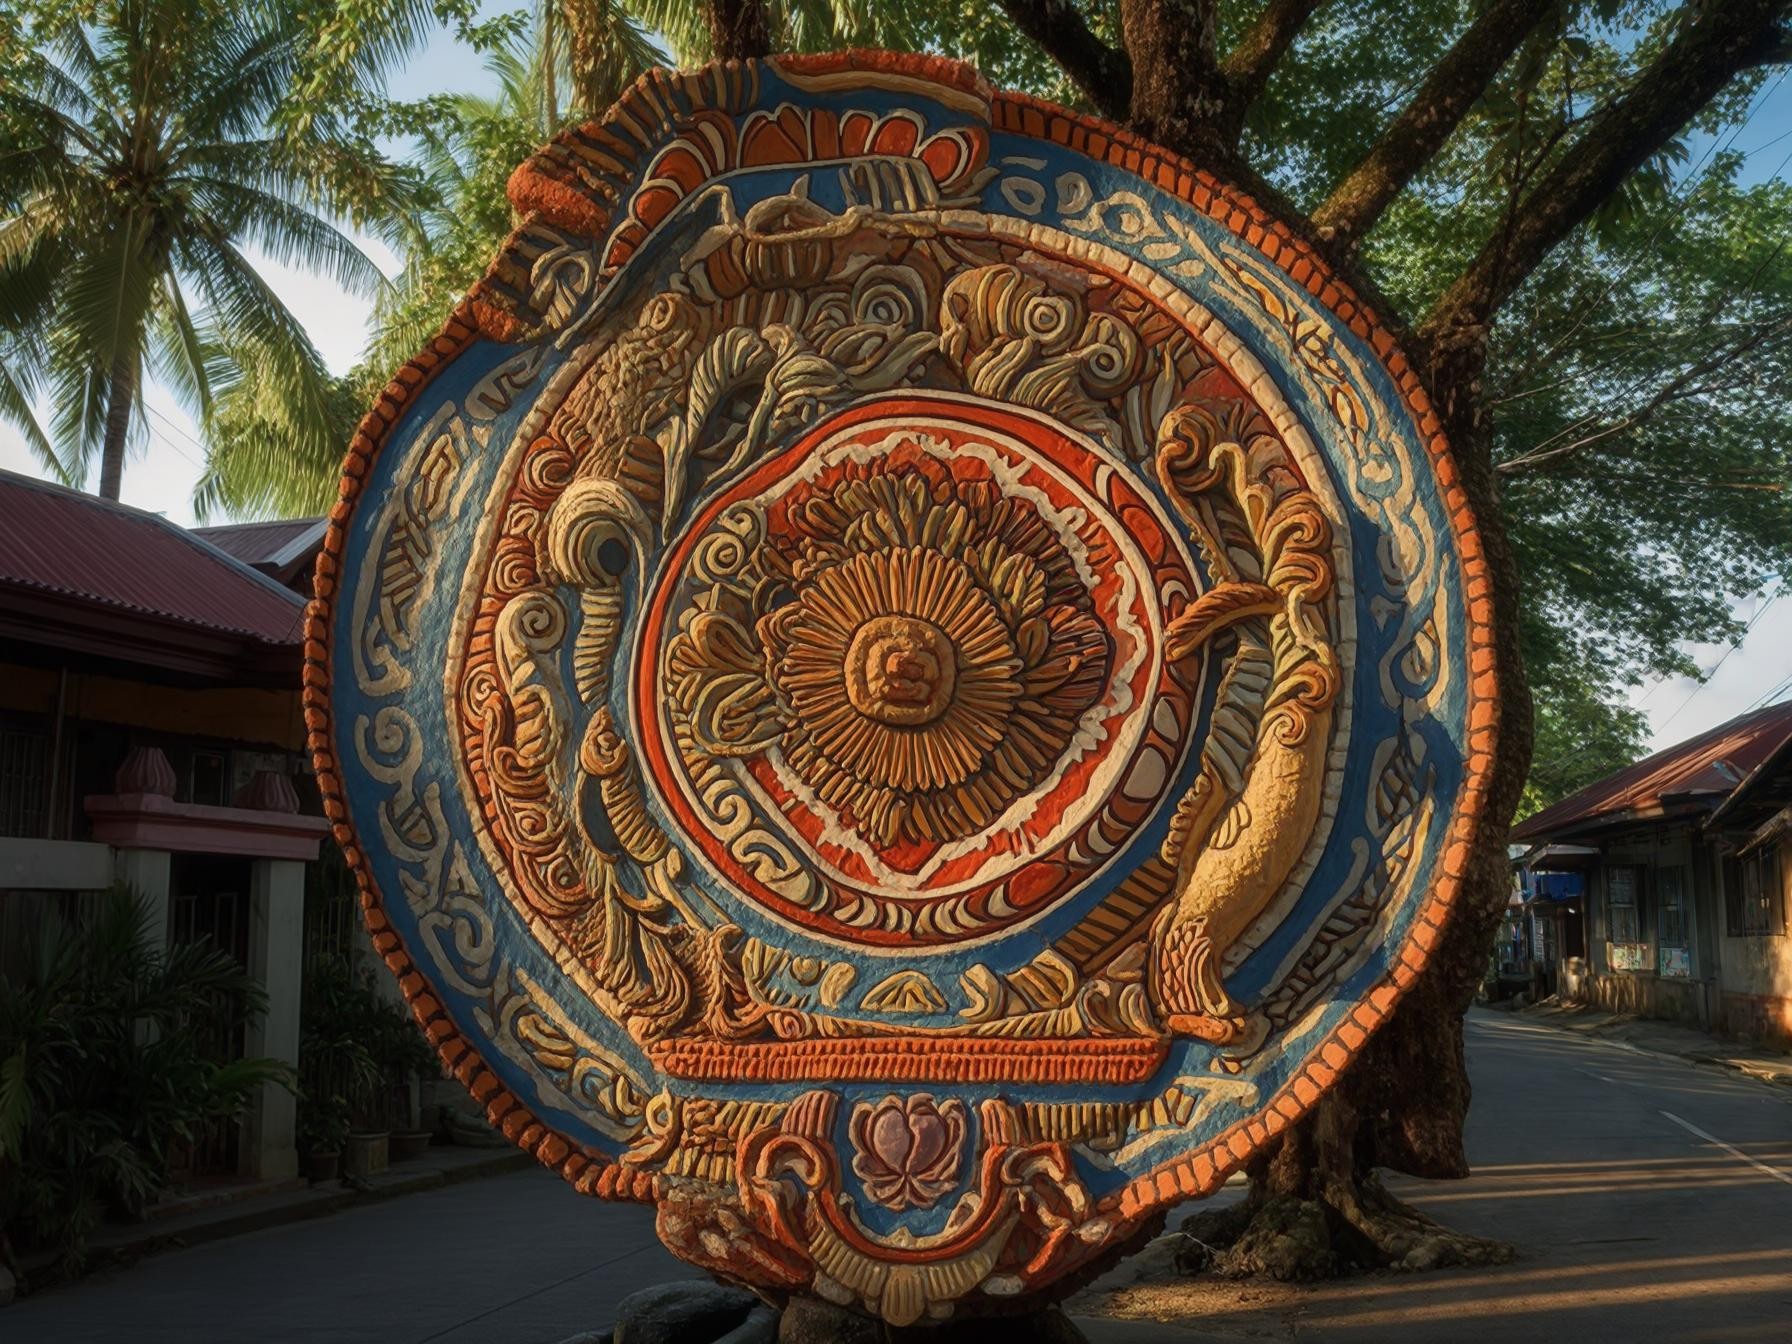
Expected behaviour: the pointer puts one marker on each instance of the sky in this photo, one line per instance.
(167, 464)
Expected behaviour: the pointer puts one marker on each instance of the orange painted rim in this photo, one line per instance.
(1188, 1174)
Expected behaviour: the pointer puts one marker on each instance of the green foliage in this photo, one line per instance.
(336, 1061)
(355, 1047)
(1642, 451)
(104, 1071)
(1644, 461)
(467, 154)
(141, 172)
(271, 455)
(1583, 734)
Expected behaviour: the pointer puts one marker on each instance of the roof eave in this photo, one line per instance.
(75, 625)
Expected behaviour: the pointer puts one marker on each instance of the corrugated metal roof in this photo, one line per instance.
(263, 544)
(1707, 767)
(61, 541)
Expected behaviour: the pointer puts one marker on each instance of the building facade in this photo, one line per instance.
(1679, 861)
(151, 734)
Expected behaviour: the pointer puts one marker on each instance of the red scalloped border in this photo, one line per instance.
(1189, 1174)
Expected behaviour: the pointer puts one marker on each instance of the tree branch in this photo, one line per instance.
(1718, 40)
(1414, 137)
(1260, 50)
(1687, 383)
(1179, 93)
(1778, 51)
(739, 30)
(1100, 73)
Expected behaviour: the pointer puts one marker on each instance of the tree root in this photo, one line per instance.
(1296, 1240)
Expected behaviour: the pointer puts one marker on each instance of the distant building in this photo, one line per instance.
(151, 733)
(1661, 889)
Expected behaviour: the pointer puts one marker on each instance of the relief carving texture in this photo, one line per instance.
(907, 679)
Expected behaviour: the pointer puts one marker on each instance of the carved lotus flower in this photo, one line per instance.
(907, 1149)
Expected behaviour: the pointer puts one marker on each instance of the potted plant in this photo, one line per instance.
(403, 1057)
(323, 1126)
(339, 1061)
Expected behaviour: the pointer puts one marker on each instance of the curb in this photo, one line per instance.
(124, 1245)
(1772, 1071)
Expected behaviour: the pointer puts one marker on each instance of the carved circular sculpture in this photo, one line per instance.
(906, 680)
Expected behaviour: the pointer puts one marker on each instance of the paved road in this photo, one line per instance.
(1653, 1200)
(517, 1259)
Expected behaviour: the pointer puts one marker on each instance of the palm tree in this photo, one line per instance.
(140, 160)
(266, 455)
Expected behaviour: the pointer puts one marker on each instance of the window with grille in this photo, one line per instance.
(1752, 894)
(24, 784)
(1670, 907)
(1623, 887)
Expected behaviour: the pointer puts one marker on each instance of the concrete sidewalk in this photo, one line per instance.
(1663, 1038)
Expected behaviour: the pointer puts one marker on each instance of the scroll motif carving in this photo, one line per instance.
(905, 681)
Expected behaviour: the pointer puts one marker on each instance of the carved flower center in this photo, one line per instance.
(901, 671)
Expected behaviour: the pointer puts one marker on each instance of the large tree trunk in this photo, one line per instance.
(1316, 1205)
(121, 396)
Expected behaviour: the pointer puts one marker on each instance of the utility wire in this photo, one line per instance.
(1735, 644)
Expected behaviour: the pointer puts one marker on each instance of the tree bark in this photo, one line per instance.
(1101, 74)
(1180, 95)
(121, 396)
(1260, 50)
(1420, 130)
(739, 30)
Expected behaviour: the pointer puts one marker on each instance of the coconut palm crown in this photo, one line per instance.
(143, 173)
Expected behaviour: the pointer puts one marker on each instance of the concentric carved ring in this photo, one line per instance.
(907, 680)
(924, 657)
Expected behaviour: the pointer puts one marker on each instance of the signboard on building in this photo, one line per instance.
(1628, 956)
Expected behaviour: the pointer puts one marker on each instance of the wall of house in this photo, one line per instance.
(1644, 976)
(1755, 989)
(215, 738)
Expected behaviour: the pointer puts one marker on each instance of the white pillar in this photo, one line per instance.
(145, 871)
(276, 954)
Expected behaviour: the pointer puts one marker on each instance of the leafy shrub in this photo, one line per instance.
(104, 1071)
(356, 1048)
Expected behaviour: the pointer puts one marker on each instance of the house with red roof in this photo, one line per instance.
(284, 549)
(1662, 888)
(151, 733)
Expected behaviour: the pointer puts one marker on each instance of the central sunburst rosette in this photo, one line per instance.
(910, 676)
(937, 649)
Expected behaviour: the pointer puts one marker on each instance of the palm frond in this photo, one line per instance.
(180, 350)
(102, 305)
(287, 233)
(16, 384)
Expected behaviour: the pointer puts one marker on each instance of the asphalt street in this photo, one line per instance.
(1651, 1200)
